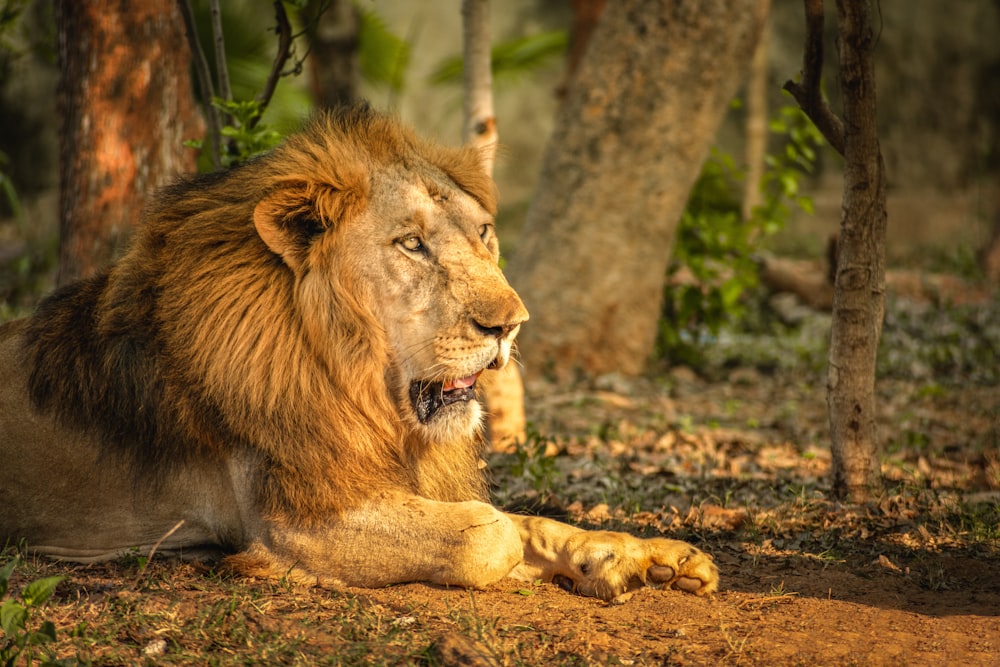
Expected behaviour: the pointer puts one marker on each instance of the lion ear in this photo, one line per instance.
(287, 225)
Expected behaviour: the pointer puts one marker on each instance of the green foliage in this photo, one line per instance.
(10, 14)
(532, 462)
(715, 246)
(780, 183)
(382, 55)
(7, 191)
(242, 138)
(22, 635)
(509, 59)
(245, 139)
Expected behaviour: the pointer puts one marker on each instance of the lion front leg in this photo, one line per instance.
(609, 565)
(396, 538)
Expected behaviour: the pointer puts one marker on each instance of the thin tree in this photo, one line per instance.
(756, 119)
(990, 254)
(504, 390)
(628, 144)
(125, 108)
(859, 287)
(480, 128)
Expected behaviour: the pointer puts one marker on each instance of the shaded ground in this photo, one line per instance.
(735, 463)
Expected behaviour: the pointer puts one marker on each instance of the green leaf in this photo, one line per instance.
(38, 592)
(382, 55)
(5, 573)
(731, 293)
(510, 58)
(45, 634)
(13, 616)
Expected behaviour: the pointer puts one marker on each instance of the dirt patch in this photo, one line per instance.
(736, 463)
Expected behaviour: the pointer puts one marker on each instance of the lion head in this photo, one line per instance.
(407, 232)
(326, 307)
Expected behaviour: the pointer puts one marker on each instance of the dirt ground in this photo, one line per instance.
(735, 464)
(865, 614)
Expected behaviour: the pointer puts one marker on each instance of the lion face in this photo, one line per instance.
(447, 311)
(419, 259)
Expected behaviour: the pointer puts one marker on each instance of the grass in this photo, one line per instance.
(185, 616)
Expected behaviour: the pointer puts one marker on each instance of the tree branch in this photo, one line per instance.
(808, 94)
(205, 86)
(222, 69)
(284, 30)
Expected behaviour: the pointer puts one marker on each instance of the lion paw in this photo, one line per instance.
(679, 565)
(610, 565)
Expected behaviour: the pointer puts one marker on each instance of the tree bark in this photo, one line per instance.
(586, 14)
(477, 79)
(332, 28)
(125, 107)
(756, 120)
(990, 255)
(859, 290)
(859, 287)
(628, 144)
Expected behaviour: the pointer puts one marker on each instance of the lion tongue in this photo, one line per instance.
(461, 383)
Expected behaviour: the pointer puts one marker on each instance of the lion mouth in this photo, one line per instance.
(428, 398)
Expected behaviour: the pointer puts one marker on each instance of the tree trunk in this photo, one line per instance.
(756, 120)
(628, 144)
(859, 283)
(991, 252)
(332, 28)
(859, 290)
(477, 79)
(989, 255)
(586, 14)
(125, 107)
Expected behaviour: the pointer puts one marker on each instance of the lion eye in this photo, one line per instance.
(412, 243)
(484, 232)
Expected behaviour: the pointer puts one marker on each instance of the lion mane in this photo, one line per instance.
(203, 342)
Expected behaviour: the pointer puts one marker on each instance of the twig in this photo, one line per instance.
(204, 77)
(757, 603)
(808, 94)
(160, 541)
(222, 69)
(284, 31)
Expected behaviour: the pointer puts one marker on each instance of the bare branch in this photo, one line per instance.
(808, 94)
(284, 30)
(222, 69)
(205, 86)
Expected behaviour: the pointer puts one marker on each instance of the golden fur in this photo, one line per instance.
(192, 337)
(284, 362)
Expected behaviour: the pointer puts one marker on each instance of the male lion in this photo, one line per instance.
(283, 368)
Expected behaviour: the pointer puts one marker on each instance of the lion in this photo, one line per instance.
(281, 371)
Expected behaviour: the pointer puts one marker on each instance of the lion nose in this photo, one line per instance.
(502, 323)
(495, 331)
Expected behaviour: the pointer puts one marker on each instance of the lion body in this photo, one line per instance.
(282, 368)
